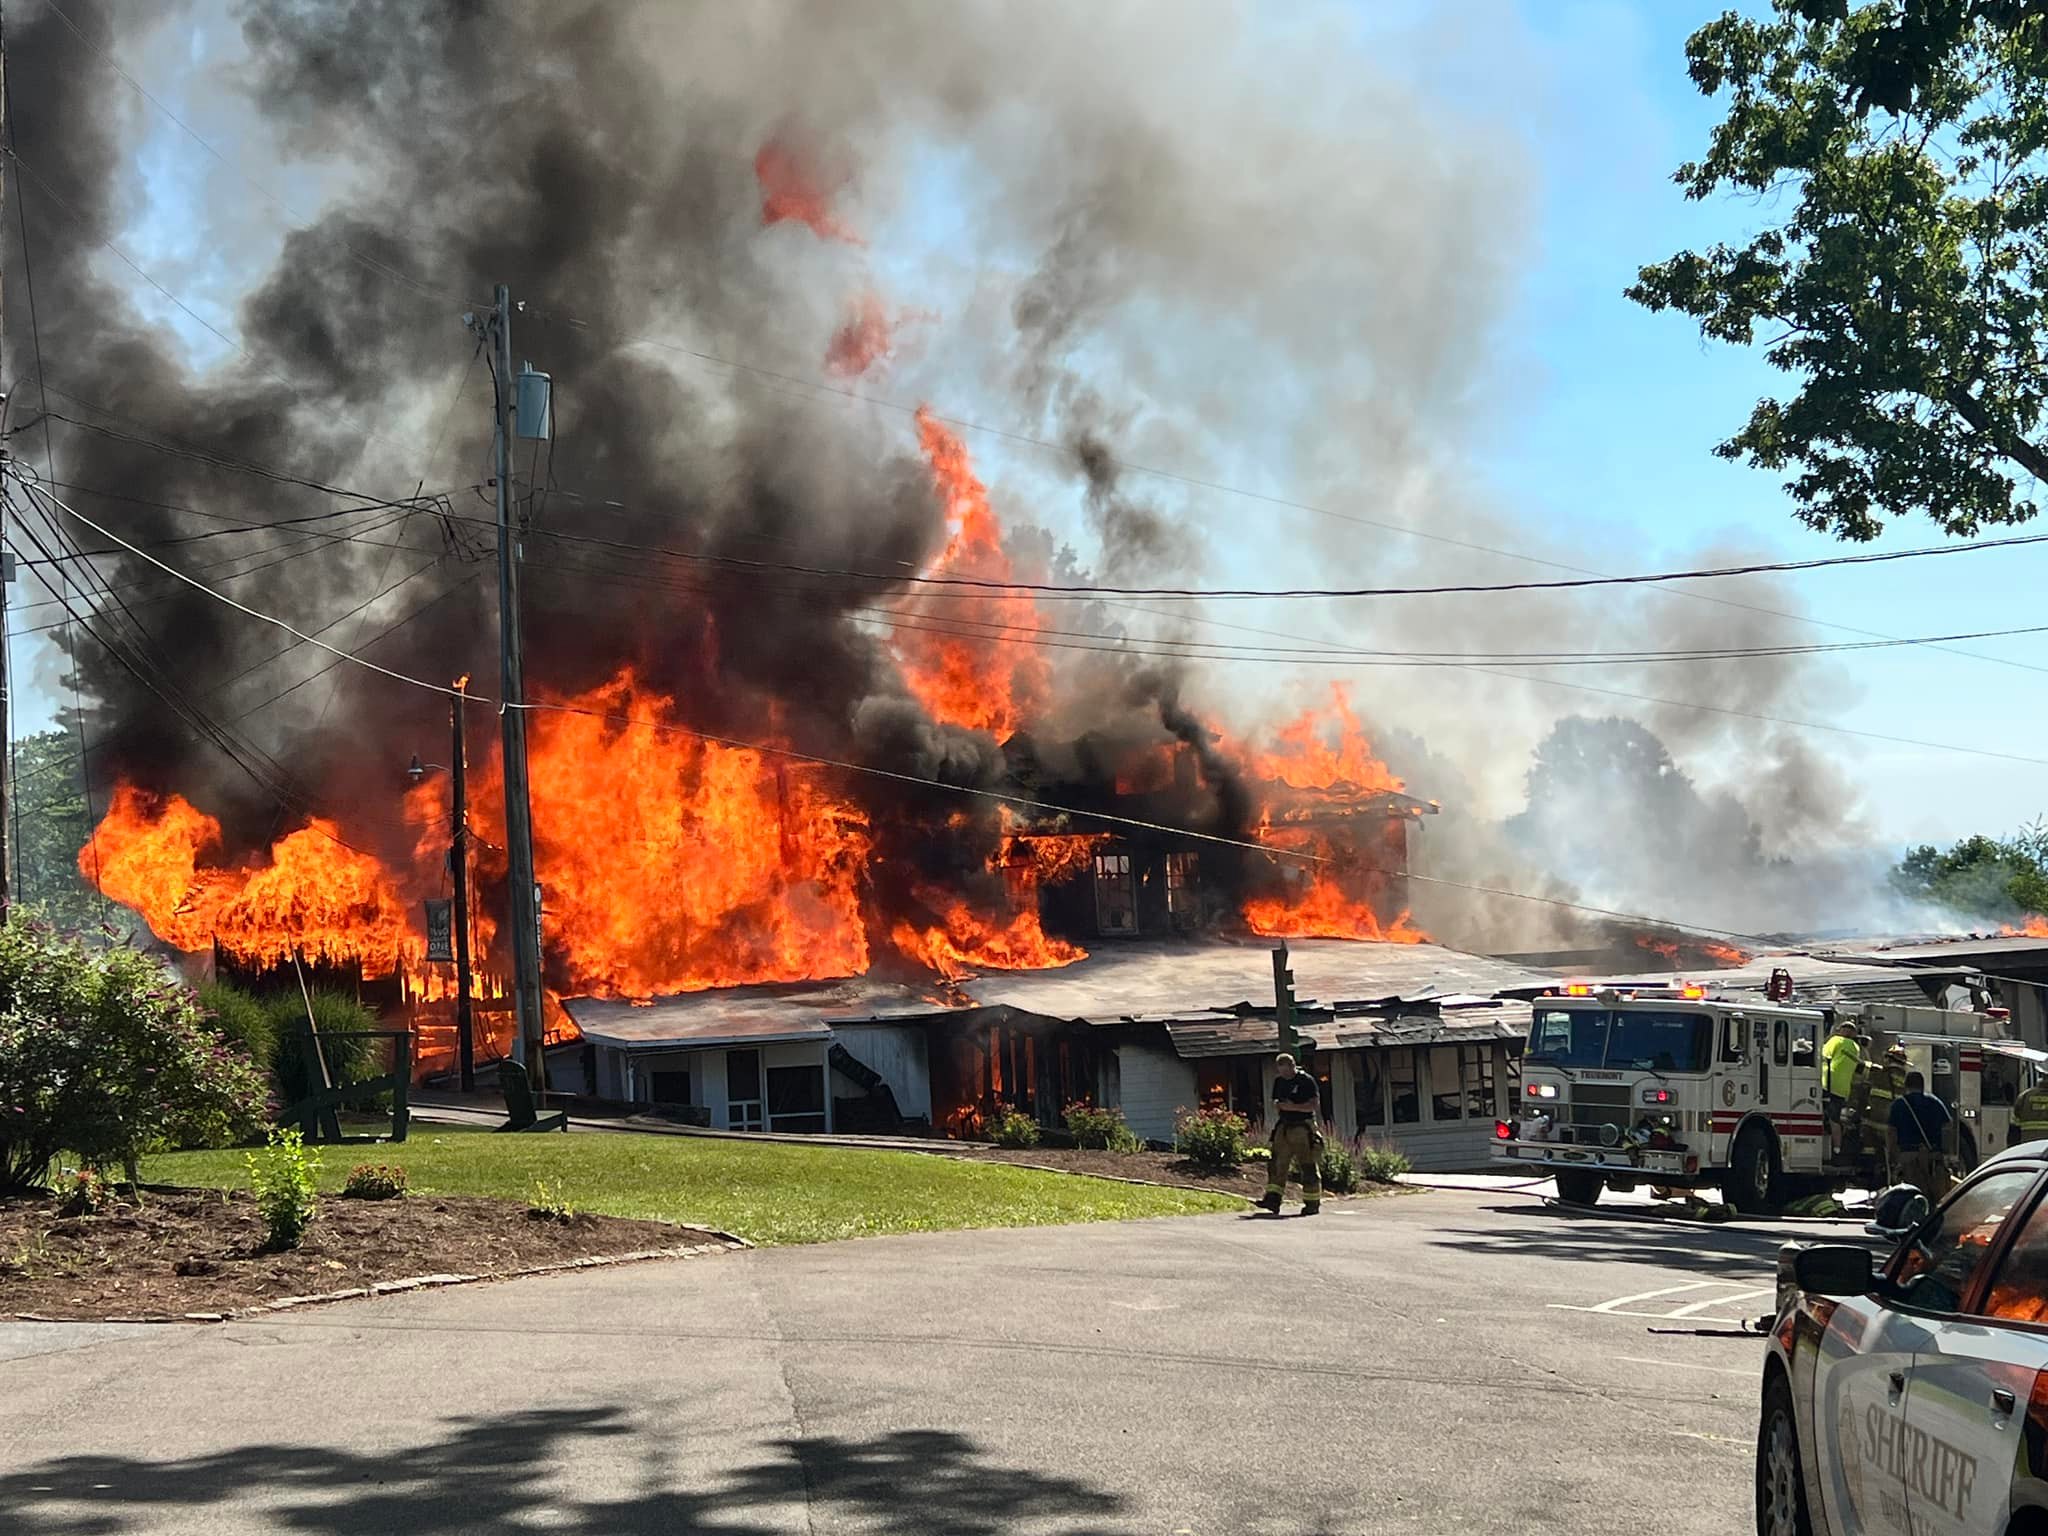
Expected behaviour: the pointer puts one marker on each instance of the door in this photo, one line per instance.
(1973, 1376)
(1859, 1396)
(744, 1110)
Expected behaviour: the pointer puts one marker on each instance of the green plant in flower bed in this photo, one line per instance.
(1212, 1137)
(106, 1055)
(282, 1179)
(547, 1202)
(1339, 1169)
(375, 1181)
(240, 1019)
(1100, 1130)
(1380, 1162)
(350, 1057)
(82, 1192)
(1013, 1128)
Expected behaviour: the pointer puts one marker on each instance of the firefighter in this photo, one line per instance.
(2030, 1115)
(1296, 1141)
(1840, 1060)
(1887, 1082)
(1922, 1132)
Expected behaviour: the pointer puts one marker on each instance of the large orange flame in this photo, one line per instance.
(964, 941)
(984, 682)
(145, 853)
(670, 864)
(1322, 749)
(793, 189)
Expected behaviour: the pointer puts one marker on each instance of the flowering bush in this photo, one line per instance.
(81, 1192)
(1100, 1130)
(1212, 1138)
(106, 1055)
(1013, 1128)
(282, 1179)
(1380, 1162)
(1339, 1169)
(375, 1181)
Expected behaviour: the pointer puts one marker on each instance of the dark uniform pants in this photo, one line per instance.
(1926, 1169)
(1297, 1144)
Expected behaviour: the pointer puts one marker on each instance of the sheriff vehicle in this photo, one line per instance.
(1677, 1088)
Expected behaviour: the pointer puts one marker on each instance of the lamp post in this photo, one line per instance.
(458, 867)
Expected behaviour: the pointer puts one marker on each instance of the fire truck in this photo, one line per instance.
(1677, 1088)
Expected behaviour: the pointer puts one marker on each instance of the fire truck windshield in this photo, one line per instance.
(1628, 1039)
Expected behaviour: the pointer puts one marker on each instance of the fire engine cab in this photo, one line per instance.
(1676, 1088)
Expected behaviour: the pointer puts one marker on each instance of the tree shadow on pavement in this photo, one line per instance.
(521, 1471)
(1727, 1253)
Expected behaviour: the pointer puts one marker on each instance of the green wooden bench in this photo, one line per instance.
(521, 1114)
(318, 1116)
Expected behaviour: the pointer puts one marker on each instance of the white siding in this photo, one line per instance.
(897, 1052)
(1154, 1085)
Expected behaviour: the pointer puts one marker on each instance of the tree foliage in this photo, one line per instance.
(1899, 151)
(1982, 877)
(50, 824)
(106, 1055)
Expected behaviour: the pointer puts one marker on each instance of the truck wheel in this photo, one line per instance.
(1780, 1481)
(1966, 1148)
(1577, 1187)
(1752, 1186)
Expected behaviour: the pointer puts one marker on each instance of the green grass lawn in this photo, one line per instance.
(766, 1192)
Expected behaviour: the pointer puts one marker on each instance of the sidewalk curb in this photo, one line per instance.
(724, 1242)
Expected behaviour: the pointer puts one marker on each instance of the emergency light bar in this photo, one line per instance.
(1691, 991)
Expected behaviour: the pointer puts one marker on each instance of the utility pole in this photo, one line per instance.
(524, 903)
(1283, 999)
(458, 860)
(7, 853)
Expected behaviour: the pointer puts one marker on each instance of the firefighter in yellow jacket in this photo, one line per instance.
(2030, 1115)
(1296, 1141)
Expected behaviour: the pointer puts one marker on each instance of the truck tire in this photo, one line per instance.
(1966, 1148)
(1753, 1182)
(1575, 1186)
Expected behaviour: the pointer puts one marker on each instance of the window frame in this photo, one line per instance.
(1481, 1056)
(1434, 1094)
(1417, 1083)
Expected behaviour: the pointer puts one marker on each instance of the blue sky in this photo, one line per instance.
(1597, 433)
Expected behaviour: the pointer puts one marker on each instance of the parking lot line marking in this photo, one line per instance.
(1685, 1365)
(1670, 1290)
(1701, 1306)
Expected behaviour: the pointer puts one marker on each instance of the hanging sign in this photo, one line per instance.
(440, 930)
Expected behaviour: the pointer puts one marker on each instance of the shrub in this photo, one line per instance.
(105, 1054)
(1013, 1128)
(349, 1056)
(1212, 1138)
(375, 1181)
(1339, 1170)
(282, 1179)
(82, 1192)
(1380, 1162)
(1100, 1130)
(548, 1203)
(241, 1019)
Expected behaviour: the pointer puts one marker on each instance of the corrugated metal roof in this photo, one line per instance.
(1954, 954)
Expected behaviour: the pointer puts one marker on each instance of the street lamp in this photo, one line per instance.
(458, 865)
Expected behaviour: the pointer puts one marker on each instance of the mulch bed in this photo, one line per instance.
(1248, 1179)
(178, 1252)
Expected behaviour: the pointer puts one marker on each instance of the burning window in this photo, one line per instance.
(1116, 894)
(1182, 895)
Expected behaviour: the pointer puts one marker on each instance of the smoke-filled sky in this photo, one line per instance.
(1368, 258)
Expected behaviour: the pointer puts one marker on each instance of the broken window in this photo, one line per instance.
(1183, 897)
(1369, 1088)
(1403, 1087)
(1446, 1097)
(1116, 894)
(1479, 1099)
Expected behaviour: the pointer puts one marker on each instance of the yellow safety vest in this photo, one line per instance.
(1840, 1058)
(2030, 1114)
